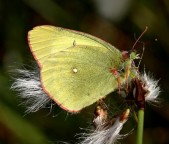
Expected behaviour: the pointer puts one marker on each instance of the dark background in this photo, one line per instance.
(117, 22)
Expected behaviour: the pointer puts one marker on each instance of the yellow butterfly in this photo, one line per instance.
(77, 69)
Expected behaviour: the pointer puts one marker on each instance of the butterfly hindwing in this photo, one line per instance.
(79, 76)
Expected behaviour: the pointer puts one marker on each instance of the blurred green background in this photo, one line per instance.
(118, 22)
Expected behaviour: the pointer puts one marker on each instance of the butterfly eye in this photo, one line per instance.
(125, 55)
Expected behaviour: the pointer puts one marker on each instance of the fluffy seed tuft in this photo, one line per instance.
(152, 87)
(28, 85)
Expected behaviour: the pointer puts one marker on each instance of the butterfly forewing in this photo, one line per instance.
(44, 41)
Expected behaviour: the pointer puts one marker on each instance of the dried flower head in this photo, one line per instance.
(107, 134)
(142, 89)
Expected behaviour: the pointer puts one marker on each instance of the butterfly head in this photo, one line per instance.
(129, 55)
(130, 71)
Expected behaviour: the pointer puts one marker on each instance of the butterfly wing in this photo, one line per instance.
(46, 40)
(75, 67)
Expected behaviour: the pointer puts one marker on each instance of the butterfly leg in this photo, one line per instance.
(127, 76)
(116, 74)
(100, 115)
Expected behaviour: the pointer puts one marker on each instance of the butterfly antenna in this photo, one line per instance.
(139, 38)
(141, 56)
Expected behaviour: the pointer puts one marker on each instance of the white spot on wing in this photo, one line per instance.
(75, 70)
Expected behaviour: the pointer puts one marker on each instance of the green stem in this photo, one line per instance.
(140, 126)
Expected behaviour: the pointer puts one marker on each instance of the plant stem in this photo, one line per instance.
(140, 126)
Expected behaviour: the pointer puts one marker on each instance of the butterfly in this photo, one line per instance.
(78, 69)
